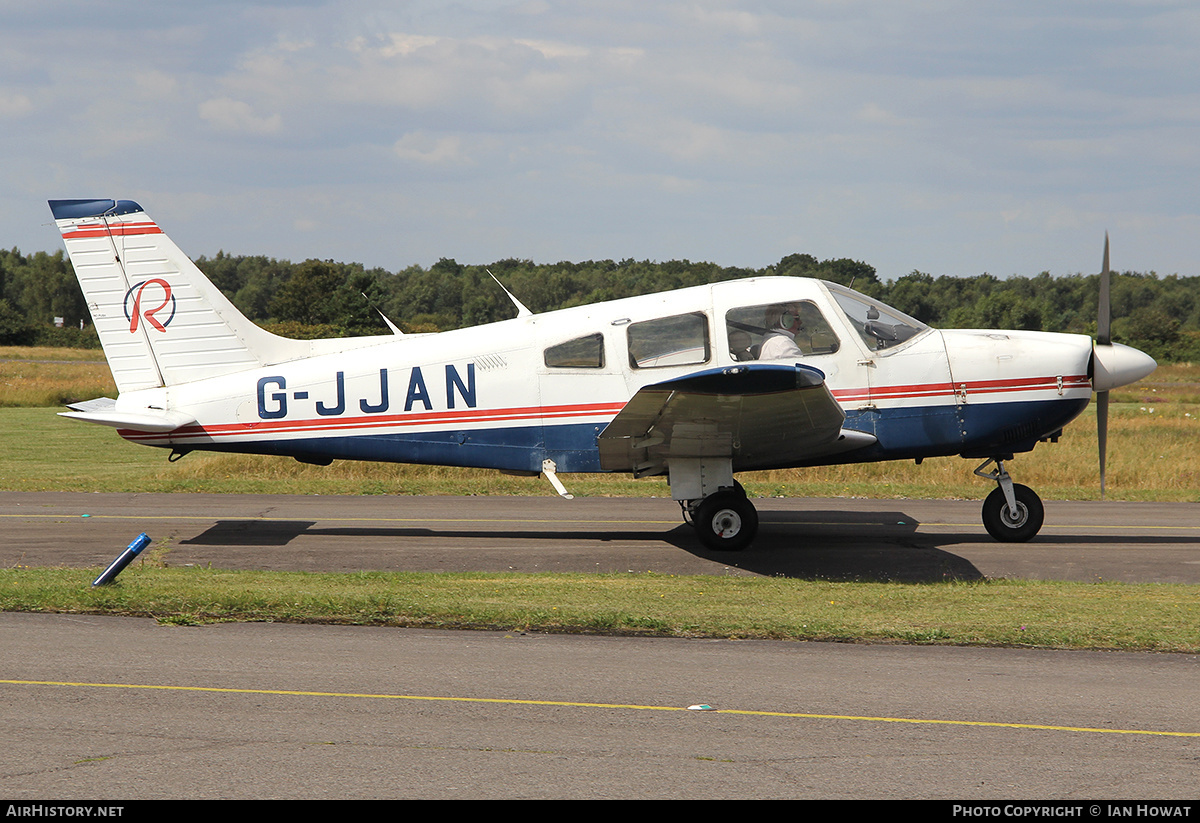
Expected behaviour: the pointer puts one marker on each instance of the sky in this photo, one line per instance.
(952, 138)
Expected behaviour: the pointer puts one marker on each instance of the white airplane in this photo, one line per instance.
(696, 384)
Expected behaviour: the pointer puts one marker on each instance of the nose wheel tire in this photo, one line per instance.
(726, 521)
(1008, 527)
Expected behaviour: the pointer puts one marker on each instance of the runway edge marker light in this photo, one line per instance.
(131, 551)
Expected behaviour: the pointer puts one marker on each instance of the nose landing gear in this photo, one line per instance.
(1012, 513)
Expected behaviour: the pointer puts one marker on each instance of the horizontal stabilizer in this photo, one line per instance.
(104, 411)
(99, 404)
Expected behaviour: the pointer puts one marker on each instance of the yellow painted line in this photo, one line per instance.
(625, 706)
(1084, 526)
(975, 524)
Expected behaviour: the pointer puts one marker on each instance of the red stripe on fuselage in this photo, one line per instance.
(922, 390)
(368, 422)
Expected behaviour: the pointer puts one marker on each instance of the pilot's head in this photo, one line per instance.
(784, 316)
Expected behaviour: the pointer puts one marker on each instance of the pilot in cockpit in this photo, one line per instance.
(784, 323)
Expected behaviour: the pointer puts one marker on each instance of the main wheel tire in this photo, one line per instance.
(692, 507)
(726, 521)
(1000, 522)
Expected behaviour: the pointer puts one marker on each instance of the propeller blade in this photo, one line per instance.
(1103, 338)
(1102, 433)
(1104, 315)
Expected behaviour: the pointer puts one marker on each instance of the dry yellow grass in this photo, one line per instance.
(51, 354)
(43, 381)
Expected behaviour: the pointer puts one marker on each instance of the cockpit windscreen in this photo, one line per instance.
(879, 325)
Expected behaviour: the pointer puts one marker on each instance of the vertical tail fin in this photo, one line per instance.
(161, 321)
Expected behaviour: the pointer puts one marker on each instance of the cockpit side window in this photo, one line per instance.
(585, 352)
(669, 341)
(879, 325)
(779, 330)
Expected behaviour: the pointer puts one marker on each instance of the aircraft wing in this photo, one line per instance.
(760, 415)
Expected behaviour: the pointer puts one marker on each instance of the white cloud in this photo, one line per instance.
(236, 116)
(915, 134)
(14, 104)
(425, 149)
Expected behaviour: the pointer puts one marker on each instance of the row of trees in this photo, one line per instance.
(323, 298)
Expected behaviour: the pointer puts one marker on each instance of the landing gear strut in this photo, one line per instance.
(724, 521)
(1012, 513)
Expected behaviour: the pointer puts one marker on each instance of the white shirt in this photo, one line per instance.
(779, 344)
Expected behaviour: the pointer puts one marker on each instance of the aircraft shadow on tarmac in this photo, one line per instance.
(824, 545)
(810, 545)
(842, 546)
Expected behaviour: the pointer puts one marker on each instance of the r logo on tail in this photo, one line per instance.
(136, 292)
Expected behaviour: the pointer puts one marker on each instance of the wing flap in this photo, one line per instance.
(759, 415)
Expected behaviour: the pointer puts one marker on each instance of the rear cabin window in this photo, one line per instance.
(581, 353)
(669, 341)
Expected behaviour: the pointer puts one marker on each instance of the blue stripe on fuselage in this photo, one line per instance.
(517, 448)
(972, 430)
(1002, 428)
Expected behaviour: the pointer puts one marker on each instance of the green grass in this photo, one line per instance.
(992, 613)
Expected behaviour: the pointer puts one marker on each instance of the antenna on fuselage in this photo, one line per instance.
(521, 310)
(390, 324)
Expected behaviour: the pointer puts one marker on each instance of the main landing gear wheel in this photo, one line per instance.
(1008, 527)
(726, 521)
